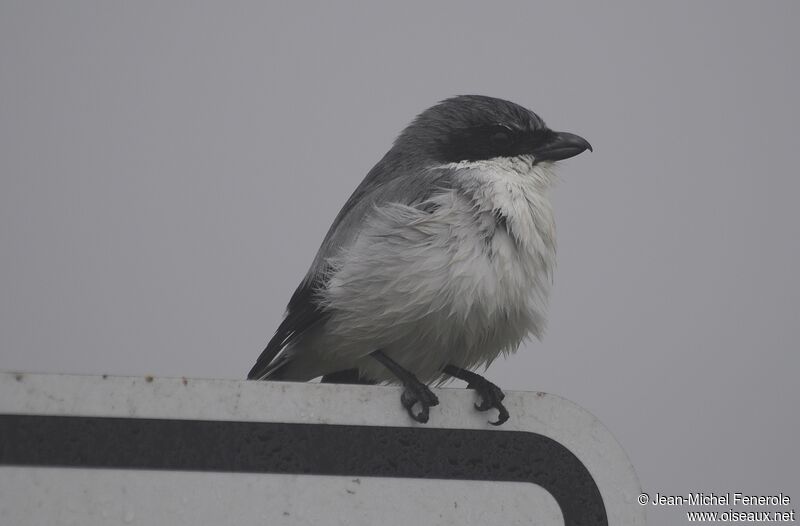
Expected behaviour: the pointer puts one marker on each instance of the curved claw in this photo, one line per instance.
(492, 397)
(421, 394)
(422, 416)
(408, 402)
(503, 417)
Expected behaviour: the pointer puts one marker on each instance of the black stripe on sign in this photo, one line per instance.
(310, 449)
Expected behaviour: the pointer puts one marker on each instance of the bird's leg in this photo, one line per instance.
(415, 391)
(492, 396)
(347, 376)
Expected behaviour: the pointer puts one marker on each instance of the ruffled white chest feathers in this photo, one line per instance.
(459, 278)
(509, 199)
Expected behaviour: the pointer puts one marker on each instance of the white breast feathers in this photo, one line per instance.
(459, 278)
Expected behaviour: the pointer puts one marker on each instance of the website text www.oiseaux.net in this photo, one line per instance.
(749, 503)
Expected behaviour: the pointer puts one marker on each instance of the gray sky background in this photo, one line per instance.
(167, 171)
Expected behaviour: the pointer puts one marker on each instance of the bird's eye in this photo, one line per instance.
(501, 136)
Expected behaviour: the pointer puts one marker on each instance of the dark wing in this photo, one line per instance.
(403, 184)
(302, 313)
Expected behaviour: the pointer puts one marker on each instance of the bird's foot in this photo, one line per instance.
(418, 393)
(491, 397)
(415, 391)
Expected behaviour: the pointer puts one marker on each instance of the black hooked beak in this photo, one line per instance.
(561, 145)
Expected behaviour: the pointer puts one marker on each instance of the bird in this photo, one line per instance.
(440, 261)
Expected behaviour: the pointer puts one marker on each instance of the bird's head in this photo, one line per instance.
(475, 128)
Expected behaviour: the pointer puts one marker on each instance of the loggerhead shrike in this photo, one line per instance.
(441, 260)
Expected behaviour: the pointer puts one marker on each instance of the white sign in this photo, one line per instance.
(113, 450)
